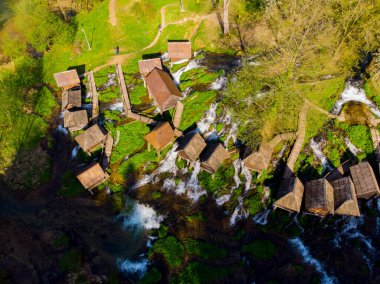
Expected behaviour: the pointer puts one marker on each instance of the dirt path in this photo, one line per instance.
(299, 141)
(112, 12)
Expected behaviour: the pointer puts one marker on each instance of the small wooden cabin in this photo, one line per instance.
(161, 136)
(67, 80)
(345, 201)
(290, 195)
(179, 50)
(146, 66)
(92, 138)
(162, 89)
(191, 147)
(71, 99)
(364, 180)
(319, 197)
(75, 120)
(259, 161)
(92, 176)
(212, 157)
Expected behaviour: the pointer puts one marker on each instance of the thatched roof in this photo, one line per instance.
(212, 157)
(364, 180)
(345, 201)
(339, 172)
(146, 66)
(71, 99)
(191, 147)
(92, 176)
(91, 138)
(259, 161)
(161, 136)
(75, 120)
(67, 79)
(179, 50)
(290, 195)
(319, 197)
(163, 90)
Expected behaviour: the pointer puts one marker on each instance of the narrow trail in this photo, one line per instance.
(112, 12)
(299, 141)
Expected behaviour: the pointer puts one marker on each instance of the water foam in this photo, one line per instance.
(317, 150)
(127, 266)
(142, 217)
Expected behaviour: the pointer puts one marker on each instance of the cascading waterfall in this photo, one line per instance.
(117, 138)
(118, 106)
(142, 217)
(138, 267)
(232, 134)
(194, 64)
(239, 212)
(351, 147)
(74, 152)
(352, 93)
(224, 198)
(219, 83)
(62, 129)
(309, 259)
(261, 218)
(316, 147)
(194, 191)
(207, 120)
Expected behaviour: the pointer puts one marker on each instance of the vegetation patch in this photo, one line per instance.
(222, 178)
(171, 249)
(70, 261)
(204, 250)
(70, 185)
(261, 249)
(196, 273)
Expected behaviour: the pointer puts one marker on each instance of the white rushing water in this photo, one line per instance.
(138, 267)
(219, 83)
(309, 259)
(142, 217)
(118, 106)
(351, 146)
(352, 93)
(239, 212)
(165, 57)
(237, 164)
(194, 64)
(62, 129)
(194, 191)
(117, 138)
(207, 121)
(232, 134)
(317, 150)
(74, 152)
(111, 80)
(261, 218)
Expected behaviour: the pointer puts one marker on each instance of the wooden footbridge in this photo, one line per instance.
(94, 95)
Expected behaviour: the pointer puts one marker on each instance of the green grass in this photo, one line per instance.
(136, 94)
(314, 122)
(323, 93)
(204, 250)
(138, 161)
(222, 178)
(171, 249)
(131, 139)
(261, 249)
(197, 273)
(198, 76)
(70, 185)
(195, 106)
(44, 103)
(360, 136)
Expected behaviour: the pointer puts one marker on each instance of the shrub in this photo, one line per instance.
(70, 261)
(171, 249)
(204, 250)
(261, 249)
(197, 273)
(153, 276)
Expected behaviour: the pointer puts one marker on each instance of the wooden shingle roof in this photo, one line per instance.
(91, 138)
(75, 120)
(71, 99)
(179, 50)
(163, 90)
(345, 201)
(212, 157)
(146, 66)
(67, 79)
(259, 161)
(161, 136)
(92, 176)
(290, 194)
(191, 147)
(319, 197)
(364, 180)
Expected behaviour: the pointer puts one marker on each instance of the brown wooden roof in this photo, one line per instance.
(191, 147)
(319, 197)
(290, 195)
(339, 172)
(259, 161)
(67, 79)
(179, 50)
(364, 180)
(92, 176)
(163, 90)
(212, 157)
(161, 136)
(75, 120)
(345, 201)
(91, 138)
(146, 66)
(71, 99)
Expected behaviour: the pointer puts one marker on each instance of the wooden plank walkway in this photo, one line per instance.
(107, 151)
(178, 114)
(376, 139)
(123, 89)
(94, 95)
(141, 118)
(282, 137)
(299, 142)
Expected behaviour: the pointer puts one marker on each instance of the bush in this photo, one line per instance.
(171, 249)
(261, 249)
(204, 250)
(197, 273)
(360, 136)
(153, 276)
(70, 261)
